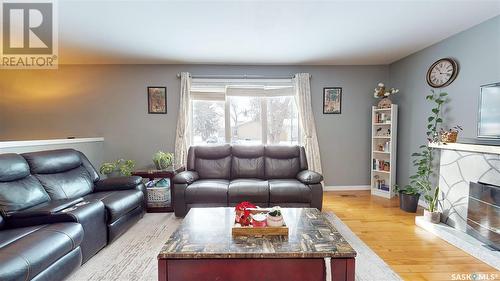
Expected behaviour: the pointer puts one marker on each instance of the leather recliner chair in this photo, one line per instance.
(225, 175)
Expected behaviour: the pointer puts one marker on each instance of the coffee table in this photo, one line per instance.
(203, 248)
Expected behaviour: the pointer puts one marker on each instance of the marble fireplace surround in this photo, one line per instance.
(459, 165)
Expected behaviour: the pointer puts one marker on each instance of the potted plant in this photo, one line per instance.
(381, 92)
(162, 160)
(450, 135)
(408, 198)
(119, 167)
(275, 218)
(431, 213)
(421, 182)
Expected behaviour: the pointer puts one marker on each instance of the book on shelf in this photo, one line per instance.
(383, 118)
(380, 184)
(381, 165)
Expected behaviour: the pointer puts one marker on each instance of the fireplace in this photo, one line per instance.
(483, 213)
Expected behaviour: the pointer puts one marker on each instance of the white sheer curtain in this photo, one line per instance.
(306, 119)
(182, 136)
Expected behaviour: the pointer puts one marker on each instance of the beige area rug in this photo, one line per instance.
(133, 256)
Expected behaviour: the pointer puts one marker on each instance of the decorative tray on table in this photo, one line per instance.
(253, 221)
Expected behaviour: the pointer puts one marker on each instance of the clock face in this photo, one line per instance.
(442, 73)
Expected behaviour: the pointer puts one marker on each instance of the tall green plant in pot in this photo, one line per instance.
(421, 182)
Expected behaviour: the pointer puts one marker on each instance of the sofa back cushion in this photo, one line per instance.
(283, 162)
(18, 189)
(61, 172)
(211, 162)
(247, 161)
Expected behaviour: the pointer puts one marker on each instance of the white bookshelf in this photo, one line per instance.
(383, 153)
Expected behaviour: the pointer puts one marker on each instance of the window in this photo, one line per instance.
(244, 115)
(245, 119)
(208, 122)
(282, 121)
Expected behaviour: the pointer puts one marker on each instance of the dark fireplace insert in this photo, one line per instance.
(483, 213)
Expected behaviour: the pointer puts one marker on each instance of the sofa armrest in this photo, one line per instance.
(186, 177)
(49, 208)
(118, 183)
(309, 177)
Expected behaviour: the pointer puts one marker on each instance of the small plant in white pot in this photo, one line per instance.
(431, 213)
(275, 218)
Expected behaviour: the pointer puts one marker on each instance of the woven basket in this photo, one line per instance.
(159, 196)
(450, 137)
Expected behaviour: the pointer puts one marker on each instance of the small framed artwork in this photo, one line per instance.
(157, 100)
(332, 100)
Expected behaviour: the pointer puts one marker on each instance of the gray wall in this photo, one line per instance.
(478, 53)
(110, 101)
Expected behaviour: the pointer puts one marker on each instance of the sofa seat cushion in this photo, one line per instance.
(288, 191)
(8, 236)
(253, 190)
(118, 203)
(207, 191)
(29, 255)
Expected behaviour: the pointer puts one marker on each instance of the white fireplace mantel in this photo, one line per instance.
(479, 148)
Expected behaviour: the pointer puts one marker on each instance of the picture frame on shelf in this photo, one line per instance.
(157, 100)
(332, 100)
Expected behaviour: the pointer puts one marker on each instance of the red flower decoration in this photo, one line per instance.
(243, 214)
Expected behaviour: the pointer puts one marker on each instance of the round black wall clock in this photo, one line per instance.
(442, 73)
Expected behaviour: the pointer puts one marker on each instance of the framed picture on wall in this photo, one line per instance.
(157, 100)
(332, 100)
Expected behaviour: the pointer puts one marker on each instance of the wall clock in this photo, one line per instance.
(442, 73)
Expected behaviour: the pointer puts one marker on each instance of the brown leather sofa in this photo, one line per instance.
(56, 213)
(225, 175)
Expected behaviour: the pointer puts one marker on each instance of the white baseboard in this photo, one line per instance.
(346, 187)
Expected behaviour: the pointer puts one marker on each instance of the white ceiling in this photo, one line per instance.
(263, 32)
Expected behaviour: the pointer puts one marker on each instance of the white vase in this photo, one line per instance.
(433, 217)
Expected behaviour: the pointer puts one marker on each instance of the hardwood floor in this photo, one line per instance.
(412, 252)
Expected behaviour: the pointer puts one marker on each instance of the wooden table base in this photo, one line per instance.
(254, 269)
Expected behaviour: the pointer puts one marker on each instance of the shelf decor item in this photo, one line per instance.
(451, 135)
(383, 153)
(381, 92)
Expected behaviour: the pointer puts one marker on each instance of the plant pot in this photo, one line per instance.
(160, 167)
(275, 221)
(449, 137)
(385, 102)
(408, 203)
(433, 217)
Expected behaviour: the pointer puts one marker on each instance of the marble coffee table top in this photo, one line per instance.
(206, 233)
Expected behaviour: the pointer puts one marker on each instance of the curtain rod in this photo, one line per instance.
(240, 76)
